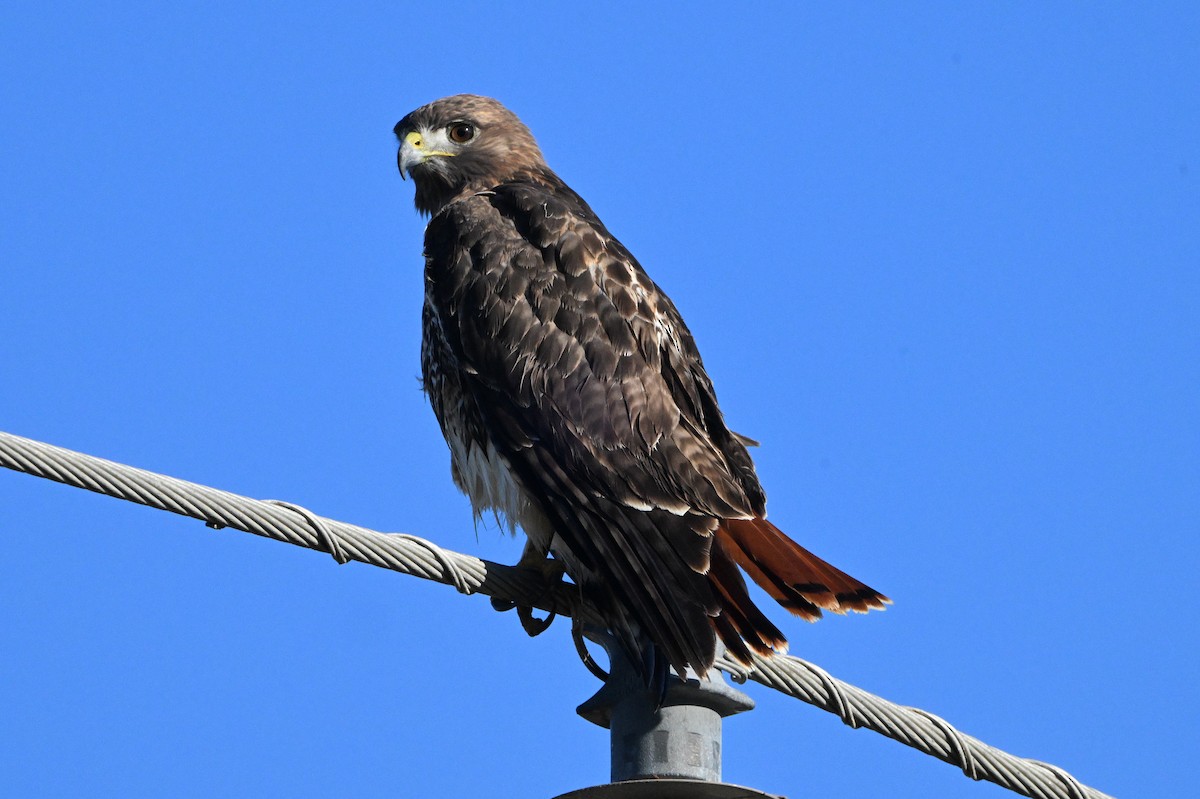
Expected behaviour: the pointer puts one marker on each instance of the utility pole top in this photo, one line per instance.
(667, 751)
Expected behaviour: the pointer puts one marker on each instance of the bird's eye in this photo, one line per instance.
(462, 132)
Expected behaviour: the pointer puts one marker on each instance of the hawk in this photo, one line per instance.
(575, 403)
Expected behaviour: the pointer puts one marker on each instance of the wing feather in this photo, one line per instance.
(605, 385)
(592, 390)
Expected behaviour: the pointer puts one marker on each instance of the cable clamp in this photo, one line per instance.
(326, 539)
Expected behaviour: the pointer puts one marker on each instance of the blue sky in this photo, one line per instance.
(944, 262)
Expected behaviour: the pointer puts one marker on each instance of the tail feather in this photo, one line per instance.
(751, 624)
(790, 574)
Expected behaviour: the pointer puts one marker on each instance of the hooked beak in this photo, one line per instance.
(408, 157)
(416, 149)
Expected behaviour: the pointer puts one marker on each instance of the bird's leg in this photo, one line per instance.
(551, 570)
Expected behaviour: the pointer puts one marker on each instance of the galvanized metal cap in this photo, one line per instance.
(668, 789)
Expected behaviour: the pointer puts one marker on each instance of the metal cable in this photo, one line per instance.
(408, 554)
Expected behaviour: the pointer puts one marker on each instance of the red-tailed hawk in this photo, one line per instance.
(575, 403)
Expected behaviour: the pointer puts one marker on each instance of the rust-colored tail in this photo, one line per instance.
(793, 576)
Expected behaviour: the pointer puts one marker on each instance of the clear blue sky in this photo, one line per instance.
(944, 262)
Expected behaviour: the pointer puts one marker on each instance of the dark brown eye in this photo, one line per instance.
(462, 132)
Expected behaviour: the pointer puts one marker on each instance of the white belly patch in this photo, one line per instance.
(487, 481)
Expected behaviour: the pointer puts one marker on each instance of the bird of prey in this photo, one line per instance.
(575, 403)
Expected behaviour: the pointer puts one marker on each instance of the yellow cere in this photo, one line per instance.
(418, 143)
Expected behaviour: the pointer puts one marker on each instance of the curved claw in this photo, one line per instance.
(533, 625)
(502, 605)
(582, 650)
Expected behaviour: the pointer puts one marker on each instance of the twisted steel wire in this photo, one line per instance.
(408, 554)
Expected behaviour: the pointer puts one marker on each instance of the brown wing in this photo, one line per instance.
(591, 388)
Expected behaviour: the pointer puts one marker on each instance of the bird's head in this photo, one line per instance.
(463, 144)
